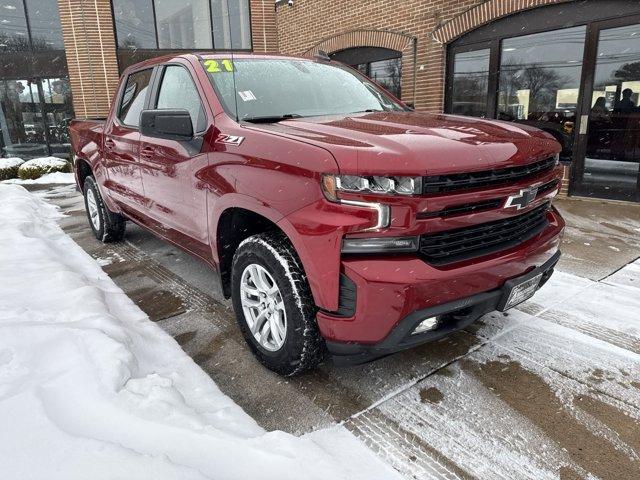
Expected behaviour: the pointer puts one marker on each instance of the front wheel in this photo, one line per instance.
(274, 306)
(107, 226)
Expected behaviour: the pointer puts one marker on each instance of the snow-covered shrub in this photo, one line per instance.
(32, 169)
(9, 167)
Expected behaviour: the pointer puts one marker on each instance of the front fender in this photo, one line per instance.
(315, 231)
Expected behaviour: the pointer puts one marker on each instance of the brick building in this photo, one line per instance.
(571, 67)
(560, 65)
(62, 58)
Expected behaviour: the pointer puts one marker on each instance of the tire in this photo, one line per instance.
(302, 347)
(106, 225)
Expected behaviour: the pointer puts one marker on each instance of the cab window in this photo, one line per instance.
(133, 97)
(177, 90)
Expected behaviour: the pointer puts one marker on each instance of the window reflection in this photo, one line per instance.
(35, 98)
(184, 24)
(380, 64)
(470, 83)
(613, 141)
(21, 122)
(14, 36)
(540, 81)
(231, 28)
(44, 23)
(387, 73)
(58, 111)
(134, 24)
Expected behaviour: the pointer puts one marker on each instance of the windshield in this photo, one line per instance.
(273, 89)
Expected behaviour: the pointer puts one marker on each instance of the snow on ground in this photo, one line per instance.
(514, 408)
(49, 178)
(90, 388)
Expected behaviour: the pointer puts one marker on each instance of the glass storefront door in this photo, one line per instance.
(34, 115)
(571, 69)
(21, 120)
(610, 129)
(58, 111)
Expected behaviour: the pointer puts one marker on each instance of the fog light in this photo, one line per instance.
(426, 325)
(380, 245)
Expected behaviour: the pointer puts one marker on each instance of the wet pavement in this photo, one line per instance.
(549, 390)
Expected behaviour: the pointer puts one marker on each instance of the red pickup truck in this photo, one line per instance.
(340, 221)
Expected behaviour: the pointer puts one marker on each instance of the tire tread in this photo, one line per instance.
(312, 351)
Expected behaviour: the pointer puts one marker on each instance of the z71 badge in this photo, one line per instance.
(231, 140)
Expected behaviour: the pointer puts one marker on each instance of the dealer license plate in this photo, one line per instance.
(523, 291)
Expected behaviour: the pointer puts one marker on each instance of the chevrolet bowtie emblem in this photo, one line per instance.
(522, 199)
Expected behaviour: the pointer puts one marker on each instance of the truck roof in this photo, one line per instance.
(209, 54)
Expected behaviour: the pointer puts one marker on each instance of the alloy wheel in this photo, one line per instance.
(263, 307)
(92, 206)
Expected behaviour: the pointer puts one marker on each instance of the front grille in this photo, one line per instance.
(463, 209)
(470, 242)
(465, 181)
(547, 187)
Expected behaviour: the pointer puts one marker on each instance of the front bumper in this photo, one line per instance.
(454, 316)
(391, 289)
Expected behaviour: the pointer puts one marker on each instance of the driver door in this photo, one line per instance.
(176, 199)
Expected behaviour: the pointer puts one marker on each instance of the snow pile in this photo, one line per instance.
(10, 162)
(35, 168)
(9, 167)
(90, 388)
(49, 178)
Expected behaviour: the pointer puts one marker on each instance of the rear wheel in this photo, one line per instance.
(274, 306)
(107, 226)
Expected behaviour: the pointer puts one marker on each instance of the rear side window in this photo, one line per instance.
(135, 93)
(177, 90)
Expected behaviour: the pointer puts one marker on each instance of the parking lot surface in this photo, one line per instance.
(548, 390)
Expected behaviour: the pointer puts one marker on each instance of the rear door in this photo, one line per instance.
(177, 201)
(122, 141)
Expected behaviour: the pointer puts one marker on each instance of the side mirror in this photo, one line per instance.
(170, 124)
(410, 105)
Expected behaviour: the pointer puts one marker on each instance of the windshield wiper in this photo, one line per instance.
(368, 110)
(271, 118)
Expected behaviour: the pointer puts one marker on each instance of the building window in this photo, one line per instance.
(231, 26)
(577, 79)
(184, 25)
(132, 24)
(470, 82)
(44, 23)
(35, 98)
(540, 76)
(14, 36)
(41, 32)
(382, 65)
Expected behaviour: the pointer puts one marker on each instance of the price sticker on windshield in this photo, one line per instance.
(219, 66)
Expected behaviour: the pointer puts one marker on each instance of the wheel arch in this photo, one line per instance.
(237, 221)
(82, 169)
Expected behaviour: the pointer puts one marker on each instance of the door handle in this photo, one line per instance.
(109, 143)
(147, 152)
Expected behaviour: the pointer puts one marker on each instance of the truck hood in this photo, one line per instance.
(411, 143)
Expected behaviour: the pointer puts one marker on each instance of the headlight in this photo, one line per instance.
(333, 184)
(380, 245)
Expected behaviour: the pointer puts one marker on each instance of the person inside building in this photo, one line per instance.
(626, 104)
